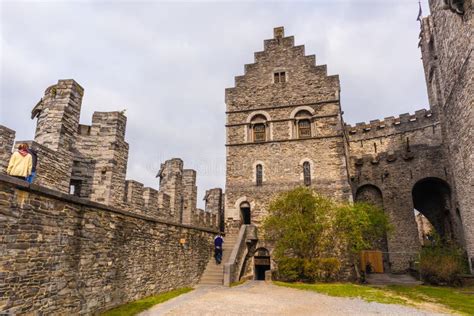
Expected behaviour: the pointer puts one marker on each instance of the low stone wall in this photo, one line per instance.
(61, 254)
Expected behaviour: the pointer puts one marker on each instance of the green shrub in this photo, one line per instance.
(321, 269)
(330, 267)
(442, 263)
(290, 269)
(297, 269)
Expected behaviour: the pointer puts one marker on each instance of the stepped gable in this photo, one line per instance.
(390, 125)
(255, 88)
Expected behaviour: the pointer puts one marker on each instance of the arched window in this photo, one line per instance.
(259, 128)
(259, 175)
(304, 129)
(303, 120)
(307, 173)
(259, 134)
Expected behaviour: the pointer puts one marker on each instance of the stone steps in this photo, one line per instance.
(391, 279)
(214, 273)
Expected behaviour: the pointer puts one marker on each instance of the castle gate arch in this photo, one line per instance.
(432, 198)
(261, 263)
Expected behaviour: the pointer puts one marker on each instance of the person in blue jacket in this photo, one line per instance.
(218, 242)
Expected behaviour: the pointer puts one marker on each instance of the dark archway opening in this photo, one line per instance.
(262, 263)
(245, 213)
(260, 272)
(432, 198)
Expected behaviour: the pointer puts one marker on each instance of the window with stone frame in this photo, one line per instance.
(259, 132)
(279, 77)
(75, 187)
(259, 175)
(304, 128)
(307, 173)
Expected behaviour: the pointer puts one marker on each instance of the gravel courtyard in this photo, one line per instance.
(261, 298)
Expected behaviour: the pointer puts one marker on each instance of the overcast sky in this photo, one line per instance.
(168, 64)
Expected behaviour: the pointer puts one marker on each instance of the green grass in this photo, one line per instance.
(367, 293)
(237, 283)
(457, 299)
(136, 307)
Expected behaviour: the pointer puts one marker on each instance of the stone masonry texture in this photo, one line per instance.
(7, 138)
(65, 255)
(446, 44)
(82, 238)
(417, 161)
(256, 96)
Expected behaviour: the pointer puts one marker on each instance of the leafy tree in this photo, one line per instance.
(296, 222)
(315, 230)
(360, 225)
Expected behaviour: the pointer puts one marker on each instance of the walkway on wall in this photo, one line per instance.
(214, 274)
(262, 298)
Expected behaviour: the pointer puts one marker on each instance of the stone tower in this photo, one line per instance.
(446, 45)
(284, 129)
(58, 115)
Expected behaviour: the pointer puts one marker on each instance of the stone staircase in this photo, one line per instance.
(391, 279)
(214, 274)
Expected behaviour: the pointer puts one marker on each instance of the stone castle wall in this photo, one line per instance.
(446, 46)
(391, 156)
(66, 255)
(82, 239)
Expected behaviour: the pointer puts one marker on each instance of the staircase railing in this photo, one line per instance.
(233, 266)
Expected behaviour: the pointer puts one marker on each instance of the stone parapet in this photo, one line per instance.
(391, 125)
(102, 256)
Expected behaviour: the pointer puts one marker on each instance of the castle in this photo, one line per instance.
(285, 129)
(82, 238)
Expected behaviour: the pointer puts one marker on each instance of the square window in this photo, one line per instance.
(279, 77)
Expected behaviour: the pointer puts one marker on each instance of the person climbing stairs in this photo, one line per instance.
(214, 273)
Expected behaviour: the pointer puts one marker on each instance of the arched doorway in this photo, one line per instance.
(262, 263)
(432, 198)
(245, 213)
(371, 194)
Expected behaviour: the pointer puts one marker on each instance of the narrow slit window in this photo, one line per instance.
(259, 175)
(307, 173)
(279, 77)
(259, 133)
(304, 129)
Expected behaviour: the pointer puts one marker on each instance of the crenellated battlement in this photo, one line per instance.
(390, 125)
(90, 161)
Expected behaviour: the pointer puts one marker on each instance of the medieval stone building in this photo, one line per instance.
(82, 238)
(285, 129)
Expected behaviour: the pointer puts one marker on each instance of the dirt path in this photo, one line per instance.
(261, 298)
